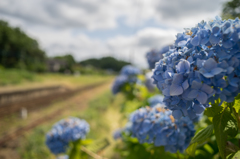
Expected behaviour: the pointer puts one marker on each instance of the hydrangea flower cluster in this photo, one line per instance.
(156, 125)
(117, 134)
(154, 56)
(128, 74)
(149, 82)
(130, 70)
(201, 68)
(65, 131)
(155, 100)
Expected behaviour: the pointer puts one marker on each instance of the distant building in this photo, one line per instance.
(56, 65)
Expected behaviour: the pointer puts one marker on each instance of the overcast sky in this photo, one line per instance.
(125, 29)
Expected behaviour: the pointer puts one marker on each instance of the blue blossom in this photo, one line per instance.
(128, 75)
(156, 125)
(149, 82)
(210, 68)
(155, 100)
(200, 92)
(118, 83)
(130, 70)
(203, 65)
(154, 56)
(117, 134)
(65, 131)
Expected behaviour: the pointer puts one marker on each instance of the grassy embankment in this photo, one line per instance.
(13, 79)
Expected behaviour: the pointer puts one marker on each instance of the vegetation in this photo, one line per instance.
(105, 63)
(18, 50)
(26, 79)
(231, 9)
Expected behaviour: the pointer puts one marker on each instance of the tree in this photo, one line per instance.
(18, 50)
(231, 9)
(105, 63)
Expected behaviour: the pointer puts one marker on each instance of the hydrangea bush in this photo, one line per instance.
(203, 67)
(65, 131)
(201, 72)
(156, 125)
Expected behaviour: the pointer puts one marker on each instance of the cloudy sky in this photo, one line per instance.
(125, 29)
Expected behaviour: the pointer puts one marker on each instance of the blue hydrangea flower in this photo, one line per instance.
(203, 65)
(118, 134)
(128, 75)
(156, 125)
(118, 83)
(130, 70)
(155, 100)
(149, 82)
(154, 56)
(65, 131)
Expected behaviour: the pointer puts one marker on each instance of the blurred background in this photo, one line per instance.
(72, 50)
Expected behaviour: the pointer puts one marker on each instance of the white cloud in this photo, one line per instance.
(53, 23)
(100, 14)
(133, 48)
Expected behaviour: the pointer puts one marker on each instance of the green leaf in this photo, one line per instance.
(224, 124)
(235, 155)
(192, 149)
(212, 111)
(199, 138)
(203, 134)
(231, 127)
(237, 105)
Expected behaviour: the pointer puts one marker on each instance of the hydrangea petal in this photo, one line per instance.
(183, 66)
(202, 97)
(198, 108)
(177, 114)
(196, 85)
(146, 126)
(160, 140)
(210, 64)
(216, 70)
(208, 75)
(206, 89)
(193, 94)
(176, 90)
(185, 84)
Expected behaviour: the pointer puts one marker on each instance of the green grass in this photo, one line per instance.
(33, 146)
(15, 76)
(11, 79)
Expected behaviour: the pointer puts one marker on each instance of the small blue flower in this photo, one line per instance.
(200, 91)
(210, 68)
(65, 131)
(178, 85)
